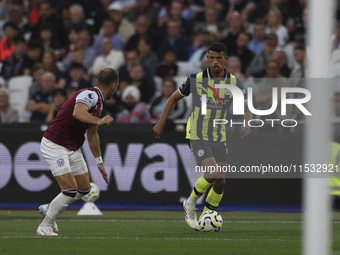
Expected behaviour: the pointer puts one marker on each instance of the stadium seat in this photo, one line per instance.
(18, 95)
(182, 68)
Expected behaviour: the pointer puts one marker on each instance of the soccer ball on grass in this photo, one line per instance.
(93, 195)
(210, 221)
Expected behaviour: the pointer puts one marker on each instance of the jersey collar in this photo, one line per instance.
(100, 93)
(225, 78)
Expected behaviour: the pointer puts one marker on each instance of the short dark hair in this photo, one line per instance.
(300, 47)
(11, 25)
(170, 49)
(218, 47)
(34, 44)
(76, 65)
(170, 79)
(59, 91)
(107, 76)
(147, 40)
(18, 39)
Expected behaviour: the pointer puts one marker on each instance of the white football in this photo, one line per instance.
(210, 221)
(93, 195)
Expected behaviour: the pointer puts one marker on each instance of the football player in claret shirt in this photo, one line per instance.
(207, 140)
(61, 144)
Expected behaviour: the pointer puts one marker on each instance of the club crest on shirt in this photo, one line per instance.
(90, 95)
(60, 162)
(200, 153)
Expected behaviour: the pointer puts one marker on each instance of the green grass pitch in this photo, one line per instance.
(156, 232)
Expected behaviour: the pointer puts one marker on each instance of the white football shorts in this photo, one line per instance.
(62, 160)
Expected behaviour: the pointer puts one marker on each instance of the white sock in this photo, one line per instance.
(191, 202)
(58, 204)
(77, 197)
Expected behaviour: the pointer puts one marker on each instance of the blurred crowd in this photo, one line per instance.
(59, 46)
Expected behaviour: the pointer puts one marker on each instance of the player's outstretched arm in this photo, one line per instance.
(94, 144)
(81, 113)
(169, 106)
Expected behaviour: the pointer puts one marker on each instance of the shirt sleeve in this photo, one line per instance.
(88, 97)
(184, 89)
(240, 86)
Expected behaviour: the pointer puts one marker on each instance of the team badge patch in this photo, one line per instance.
(60, 162)
(90, 95)
(200, 153)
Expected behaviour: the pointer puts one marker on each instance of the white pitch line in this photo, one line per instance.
(166, 221)
(149, 238)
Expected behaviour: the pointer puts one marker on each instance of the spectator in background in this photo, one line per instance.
(169, 68)
(234, 28)
(14, 64)
(175, 39)
(74, 78)
(47, 16)
(144, 8)
(142, 28)
(299, 34)
(112, 106)
(145, 85)
(17, 17)
(148, 56)
(200, 11)
(34, 12)
(49, 62)
(83, 44)
(274, 25)
(157, 105)
(125, 29)
(5, 8)
(6, 45)
(281, 57)
(49, 41)
(256, 44)
(234, 66)
(200, 54)
(72, 42)
(263, 96)
(40, 103)
(7, 113)
(134, 111)
(59, 98)
(109, 58)
(37, 71)
(109, 31)
(242, 50)
(174, 11)
(77, 18)
(132, 57)
(257, 66)
(299, 67)
(212, 24)
(33, 56)
(262, 9)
